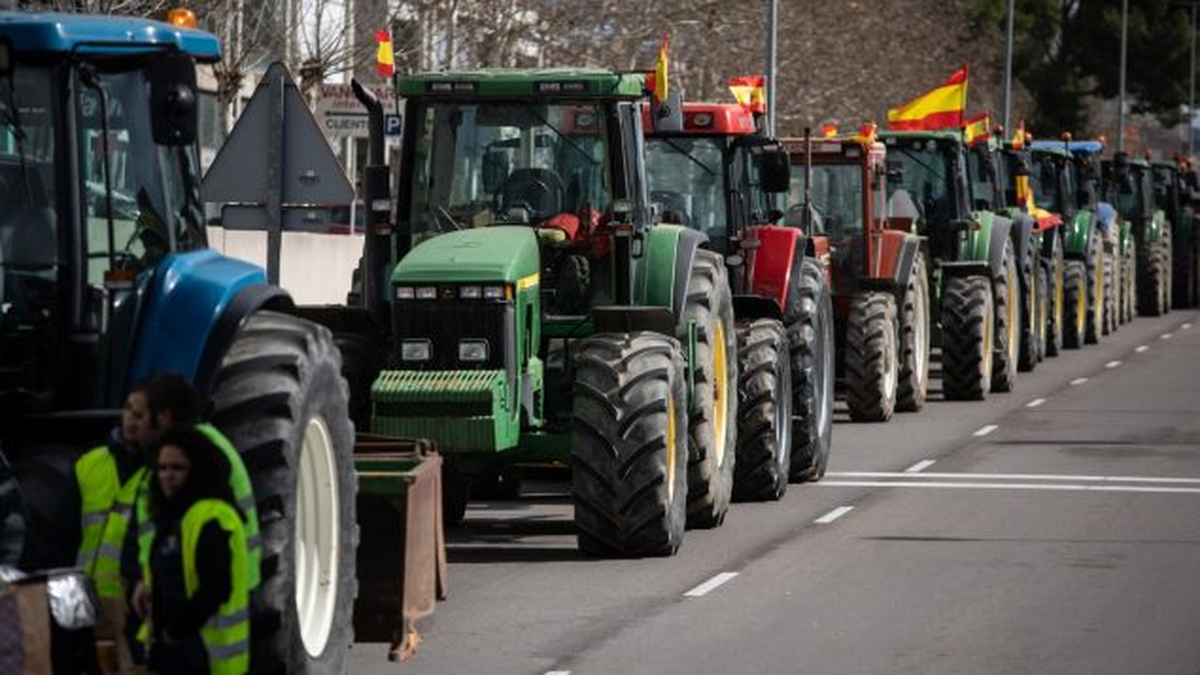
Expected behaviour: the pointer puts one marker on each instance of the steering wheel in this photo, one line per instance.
(534, 189)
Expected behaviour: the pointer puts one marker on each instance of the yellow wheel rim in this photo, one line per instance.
(1013, 336)
(1058, 300)
(670, 449)
(1081, 311)
(988, 346)
(720, 392)
(1098, 310)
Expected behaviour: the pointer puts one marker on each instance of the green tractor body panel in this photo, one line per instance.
(654, 276)
(976, 245)
(1158, 221)
(469, 409)
(1075, 234)
(465, 410)
(537, 84)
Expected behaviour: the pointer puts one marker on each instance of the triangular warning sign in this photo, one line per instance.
(308, 171)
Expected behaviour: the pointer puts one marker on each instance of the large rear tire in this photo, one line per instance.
(1074, 304)
(1042, 313)
(280, 398)
(712, 426)
(1031, 300)
(1168, 265)
(913, 385)
(764, 413)
(1006, 296)
(1056, 299)
(967, 338)
(629, 445)
(1129, 275)
(1183, 277)
(1112, 285)
(1151, 296)
(1094, 325)
(809, 326)
(872, 358)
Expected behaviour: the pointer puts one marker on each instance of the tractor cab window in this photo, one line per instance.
(926, 175)
(983, 185)
(154, 199)
(837, 197)
(686, 177)
(1044, 181)
(29, 250)
(481, 164)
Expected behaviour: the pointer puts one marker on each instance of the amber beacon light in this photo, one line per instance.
(183, 18)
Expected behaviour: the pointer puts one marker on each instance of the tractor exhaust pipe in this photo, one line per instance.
(808, 208)
(378, 204)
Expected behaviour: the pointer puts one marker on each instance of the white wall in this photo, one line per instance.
(314, 268)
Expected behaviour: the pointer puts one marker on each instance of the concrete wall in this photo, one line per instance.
(314, 268)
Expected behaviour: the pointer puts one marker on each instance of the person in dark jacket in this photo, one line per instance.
(194, 594)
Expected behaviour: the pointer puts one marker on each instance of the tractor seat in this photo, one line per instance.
(540, 190)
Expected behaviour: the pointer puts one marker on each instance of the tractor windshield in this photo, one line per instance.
(480, 164)
(1043, 180)
(686, 176)
(837, 196)
(925, 174)
(155, 197)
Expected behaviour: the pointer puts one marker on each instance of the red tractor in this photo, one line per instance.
(876, 267)
(719, 175)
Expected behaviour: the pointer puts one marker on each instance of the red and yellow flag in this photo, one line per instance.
(656, 81)
(938, 108)
(385, 63)
(750, 92)
(976, 129)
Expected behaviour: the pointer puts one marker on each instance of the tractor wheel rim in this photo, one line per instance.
(721, 399)
(1058, 300)
(1081, 311)
(1098, 310)
(317, 539)
(890, 376)
(1013, 316)
(671, 440)
(920, 339)
(988, 330)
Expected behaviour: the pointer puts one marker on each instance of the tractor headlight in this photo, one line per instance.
(427, 292)
(493, 292)
(416, 350)
(470, 292)
(473, 350)
(405, 293)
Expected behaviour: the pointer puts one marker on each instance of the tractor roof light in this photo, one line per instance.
(702, 120)
(427, 292)
(405, 293)
(416, 350)
(181, 17)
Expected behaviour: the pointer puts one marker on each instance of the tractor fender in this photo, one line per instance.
(1158, 221)
(248, 301)
(1001, 228)
(662, 273)
(776, 262)
(1077, 234)
(1023, 227)
(897, 253)
(188, 297)
(965, 268)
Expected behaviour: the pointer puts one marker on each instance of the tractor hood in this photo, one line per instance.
(499, 254)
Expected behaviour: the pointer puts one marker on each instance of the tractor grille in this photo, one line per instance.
(446, 322)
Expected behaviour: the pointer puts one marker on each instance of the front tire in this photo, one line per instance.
(712, 427)
(913, 386)
(1075, 304)
(281, 400)
(871, 357)
(1151, 295)
(1005, 298)
(809, 326)
(764, 412)
(629, 445)
(967, 338)
(1031, 311)
(1096, 285)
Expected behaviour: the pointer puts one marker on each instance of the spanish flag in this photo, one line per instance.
(939, 108)
(385, 63)
(656, 81)
(750, 92)
(976, 129)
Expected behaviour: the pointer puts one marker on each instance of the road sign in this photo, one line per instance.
(339, 113)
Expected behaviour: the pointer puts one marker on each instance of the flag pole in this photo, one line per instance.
(1008, 65)
(1121, 98)
(772, 49)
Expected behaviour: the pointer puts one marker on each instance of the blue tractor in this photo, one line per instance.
(105, 277)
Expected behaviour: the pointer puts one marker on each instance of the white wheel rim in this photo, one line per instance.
(890, 363)
(316, 537)
(919, 336)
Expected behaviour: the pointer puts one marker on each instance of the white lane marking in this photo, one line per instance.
(707, 587)
(920, 466)
(558, 672)
(1142, 348)
(1187, 326)
(1112, 364)
(1078, 381)
(1165, 336)
(1018, 476)
(833, 515)
(1062, 487)
(986, 429)
(1035, 403)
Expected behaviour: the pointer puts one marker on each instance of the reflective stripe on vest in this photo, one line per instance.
(107, 573)
(226, 634)
(99, 483)
(243, 492)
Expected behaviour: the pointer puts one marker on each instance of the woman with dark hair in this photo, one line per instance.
(194, 592)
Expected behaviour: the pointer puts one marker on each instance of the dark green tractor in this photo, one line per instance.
(1128, 186)
(974, 272)
(1173, 196)
(542, 313)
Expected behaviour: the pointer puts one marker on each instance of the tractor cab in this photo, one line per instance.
(1127, 185)
(99, 184)
(1168, 189)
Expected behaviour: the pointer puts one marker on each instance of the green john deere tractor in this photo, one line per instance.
(1172, 195)
(541, 312)
(974, 272)
(1127, 184)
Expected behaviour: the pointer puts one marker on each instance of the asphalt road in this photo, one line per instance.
(1054, 529)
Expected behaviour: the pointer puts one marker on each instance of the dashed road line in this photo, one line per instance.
(920, 466)
(1142, 348)
(1078, 478)
(558, 672)
(1035, 403)
(833, 515)
(1112, 364)
(1186, 326)
(1078, 381)
(986, 429)
(708, 586)
(1165, 336)
(1060, 487)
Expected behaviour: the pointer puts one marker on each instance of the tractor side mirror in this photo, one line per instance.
(173, 105)
(775, 171)
(495, 170)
